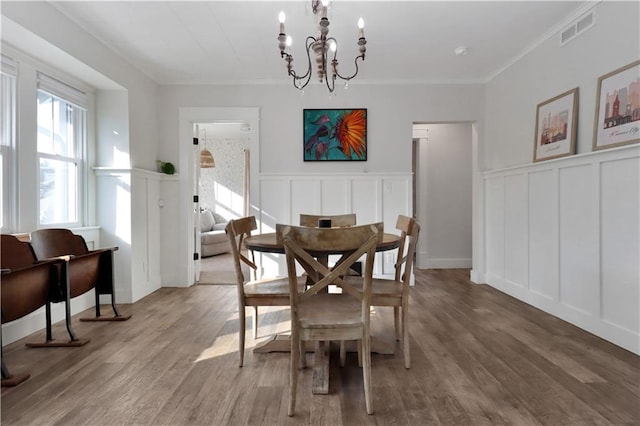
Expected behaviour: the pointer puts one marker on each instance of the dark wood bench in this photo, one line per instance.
(27, 285)
(86, 269)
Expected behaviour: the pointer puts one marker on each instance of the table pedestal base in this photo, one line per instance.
(320, 381)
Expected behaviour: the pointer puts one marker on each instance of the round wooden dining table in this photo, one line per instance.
(268, 243)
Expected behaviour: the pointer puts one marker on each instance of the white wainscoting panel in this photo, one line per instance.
(578, 249)
(620, 252)
(366, 207)
(372, 197)
(516, 229)
(543, 231)
(334, 196)
(564, 236)
(494, 195)
(276, 202)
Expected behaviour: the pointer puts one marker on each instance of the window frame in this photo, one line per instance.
(79, 157)
(9, 109)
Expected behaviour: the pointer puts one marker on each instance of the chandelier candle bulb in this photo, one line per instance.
(361, 27)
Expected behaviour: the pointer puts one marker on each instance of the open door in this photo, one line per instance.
(197, 267)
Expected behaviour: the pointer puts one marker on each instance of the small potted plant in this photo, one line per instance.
(166, 167)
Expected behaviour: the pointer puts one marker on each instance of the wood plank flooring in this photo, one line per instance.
(478, 357)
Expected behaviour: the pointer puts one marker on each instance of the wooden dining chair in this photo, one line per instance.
(339, 220)
(317, 315)
(395, 292)
(263, 292)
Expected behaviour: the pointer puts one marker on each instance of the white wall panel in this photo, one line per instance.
(516, 230)
(495, 226)
(543, 237)
(620, 237)
(335, 196)
(305, 198)
(365, 201)
(578, 228)
(274, 203)
(372, 197)
(571, 227)
(396, 199)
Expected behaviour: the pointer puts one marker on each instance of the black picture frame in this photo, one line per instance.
(332, 134)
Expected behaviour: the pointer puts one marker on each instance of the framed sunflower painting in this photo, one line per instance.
(335, 134)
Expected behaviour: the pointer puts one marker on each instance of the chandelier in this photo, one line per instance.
(323, 47)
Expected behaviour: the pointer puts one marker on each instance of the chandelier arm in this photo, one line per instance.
(335, 69)
(297, 80)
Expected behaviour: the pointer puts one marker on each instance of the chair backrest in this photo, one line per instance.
(339, 220)
(237, 230)
(29, 284)
(409, 231)
(303, 244)
(16, 254)
(57, 242)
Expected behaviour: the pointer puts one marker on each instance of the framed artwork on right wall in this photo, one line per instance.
(556, 126)
(617, 120)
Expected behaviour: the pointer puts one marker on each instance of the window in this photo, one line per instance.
(7, 143)
(61, 152)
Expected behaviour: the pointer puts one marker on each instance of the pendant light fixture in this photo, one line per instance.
(206, 158)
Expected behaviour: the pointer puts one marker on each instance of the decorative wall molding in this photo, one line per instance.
(373, 197)
(564, 235)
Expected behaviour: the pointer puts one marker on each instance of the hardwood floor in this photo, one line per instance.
(478, 357)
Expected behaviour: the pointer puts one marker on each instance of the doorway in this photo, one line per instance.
(443, 194)
(223, 190)
(188, 229)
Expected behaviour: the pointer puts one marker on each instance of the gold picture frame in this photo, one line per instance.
(617, 119)
(556, 126)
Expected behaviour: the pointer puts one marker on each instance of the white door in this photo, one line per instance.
(196, 204)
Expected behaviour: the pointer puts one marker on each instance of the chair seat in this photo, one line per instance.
(379, 286)
(329, 310)
(271, 287)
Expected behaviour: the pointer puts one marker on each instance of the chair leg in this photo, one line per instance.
(10, 380)
(303, 354)
(405, 336)
(366, 371)
(396, 321)
(241, 331)
(255, 322)
(293, 370)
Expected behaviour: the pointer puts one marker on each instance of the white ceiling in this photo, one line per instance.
(220, 42)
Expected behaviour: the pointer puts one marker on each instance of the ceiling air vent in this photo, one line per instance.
(577, 27)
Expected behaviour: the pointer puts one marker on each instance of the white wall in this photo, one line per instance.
(126, 102)
(391, 111)
(563, 235)
(47, 23)
(512, 96)
(444, 195)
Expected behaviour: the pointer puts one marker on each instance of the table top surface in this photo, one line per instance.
(268, 243)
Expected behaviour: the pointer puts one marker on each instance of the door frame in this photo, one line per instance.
(187, 118)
